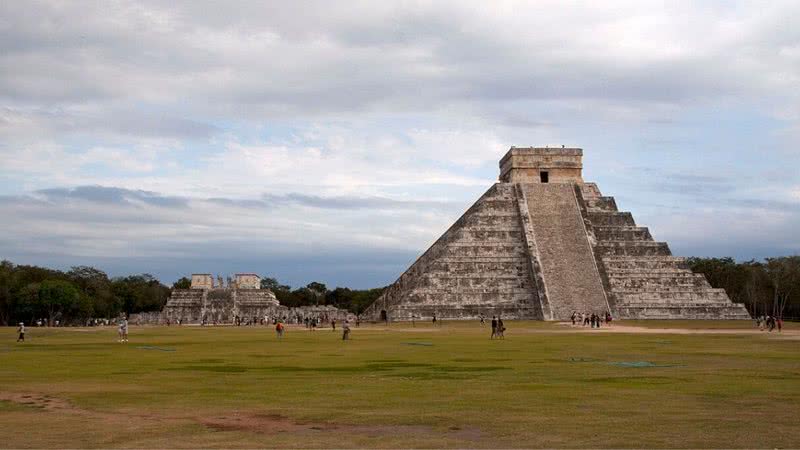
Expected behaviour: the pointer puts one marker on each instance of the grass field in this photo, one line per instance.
(660, 384)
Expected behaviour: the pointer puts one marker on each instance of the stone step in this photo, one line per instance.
(513, 268)
(480, 262)
(632, 248)
(590, 191)
(463, 283)
(491, 220)
(644, 263)
(675, 280)
(468, 311)
(612, 219)
(486, 235)
(495, 206)
(668, 296)
(622, 233)
(601, 204)
(473, 250)
(687, 311)
(448, 298)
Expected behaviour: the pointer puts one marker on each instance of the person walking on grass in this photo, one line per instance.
(120, 333)
(346, 330)
(434, 319)
(333, 324)
(494, 327)
(573, 317)
(21, 331)
(279, 329)
(501, 328)
(483, 321)
(124, 328)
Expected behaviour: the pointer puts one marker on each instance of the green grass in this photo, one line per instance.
(546, 385)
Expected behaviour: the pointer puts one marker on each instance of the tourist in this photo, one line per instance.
(279, 330)
(346, 330)
(358, 321)
(608, 318)
(125, 330)
(21, 331)
(494, 327)
(333, 324)
(770, 323)
(120, 332)
(585, 319)
(434, 319)
(501, 328)
(483, 321)
(573, 317)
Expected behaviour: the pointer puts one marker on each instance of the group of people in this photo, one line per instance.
(593, 320)
(280, 328)
(47, 323)
(498, 327)
(769, 323)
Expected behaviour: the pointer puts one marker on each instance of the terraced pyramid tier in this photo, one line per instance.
(643, 280)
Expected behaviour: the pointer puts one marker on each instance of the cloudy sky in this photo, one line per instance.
(335, 141)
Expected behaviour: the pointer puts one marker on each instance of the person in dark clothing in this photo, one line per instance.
(574, 315)
(494, 326)
(434, 318)
(501, 328)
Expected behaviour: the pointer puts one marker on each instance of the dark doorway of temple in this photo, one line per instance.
(544, 177)
(384, 317)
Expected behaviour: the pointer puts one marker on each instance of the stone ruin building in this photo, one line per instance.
(213, 302)
(542, 243)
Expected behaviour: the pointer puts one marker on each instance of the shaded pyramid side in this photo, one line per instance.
(642, 279)
(480, 265)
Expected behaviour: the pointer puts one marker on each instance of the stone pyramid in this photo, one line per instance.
(540, 244)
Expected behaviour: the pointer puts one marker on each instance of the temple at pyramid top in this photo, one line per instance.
(542, 165)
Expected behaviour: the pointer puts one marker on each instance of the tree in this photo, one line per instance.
(784, 273)
(318, 290)
(95, 287)
(137, 293)
(274, 285)
(26, 301)
(60, 297)
(183, 283)
(6, 298)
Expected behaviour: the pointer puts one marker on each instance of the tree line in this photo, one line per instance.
(768, 287)
(29, 293)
